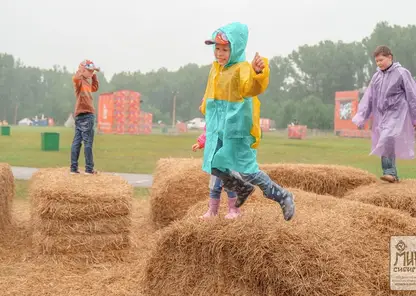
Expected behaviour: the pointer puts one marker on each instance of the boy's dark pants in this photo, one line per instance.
(84, 132)
(388, 160)
(388, 164)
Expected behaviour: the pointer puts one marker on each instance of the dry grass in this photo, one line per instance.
(179, 183)
(333, 180)
(400, 196)
(332, 247)
(102, 226)
(80, 217)
(23, 274)
(7, 189)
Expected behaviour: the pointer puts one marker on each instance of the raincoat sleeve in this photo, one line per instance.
(409, 86)
(364, 108)
(253, 84)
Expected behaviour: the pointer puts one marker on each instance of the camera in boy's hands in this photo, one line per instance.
(258, 63)
(88, 69)
(89, 65)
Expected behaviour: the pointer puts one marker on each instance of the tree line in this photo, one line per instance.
(302, 84)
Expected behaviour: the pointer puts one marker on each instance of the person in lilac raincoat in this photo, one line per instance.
(391, 99)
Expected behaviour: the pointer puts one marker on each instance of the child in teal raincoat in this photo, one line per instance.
(216, 186)
(232, 114)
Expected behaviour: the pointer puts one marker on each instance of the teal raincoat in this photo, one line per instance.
(232, 109)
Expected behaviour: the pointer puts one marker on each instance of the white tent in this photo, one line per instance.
(70, 122)
(25, 121)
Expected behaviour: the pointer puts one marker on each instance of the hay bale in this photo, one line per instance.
(112, 225)
(65, 209)
(179, 183)
(332, 247)
(333, 180)
(7, 189)
(400, 196)
(67, 244)
(78, 216)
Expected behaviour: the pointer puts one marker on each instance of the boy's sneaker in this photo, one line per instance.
(389, 178)
(91, 173)
(288, 206)
(74, 172)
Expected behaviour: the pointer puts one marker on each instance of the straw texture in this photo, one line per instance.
(80, 216)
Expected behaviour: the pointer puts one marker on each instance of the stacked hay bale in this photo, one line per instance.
(400, 196)
(332, 247)
(179, 183)
(79, 217)
(335, 180)
(7, 189)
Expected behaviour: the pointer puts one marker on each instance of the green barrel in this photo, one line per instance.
(50, 141)
(5, 130)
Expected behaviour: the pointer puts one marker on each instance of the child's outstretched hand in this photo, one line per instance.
(257, 63)
(195, 147)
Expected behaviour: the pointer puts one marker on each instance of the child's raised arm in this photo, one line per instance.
(254, 80)
(78, 76)
(95, 83)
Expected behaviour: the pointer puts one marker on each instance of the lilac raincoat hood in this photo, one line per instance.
(391, 100)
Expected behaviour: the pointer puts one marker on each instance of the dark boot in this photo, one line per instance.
(284, 198)
(288, 206)
(234, 182)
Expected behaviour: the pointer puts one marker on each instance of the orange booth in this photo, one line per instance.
(181, 127)
(266, 124)
(119, 113)
(297, 131)
(346, 105)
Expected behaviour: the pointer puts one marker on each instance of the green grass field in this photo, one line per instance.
(138, 154)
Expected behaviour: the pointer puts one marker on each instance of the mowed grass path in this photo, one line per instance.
(138, 154)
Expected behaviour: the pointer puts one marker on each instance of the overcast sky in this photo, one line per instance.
(130, 35)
